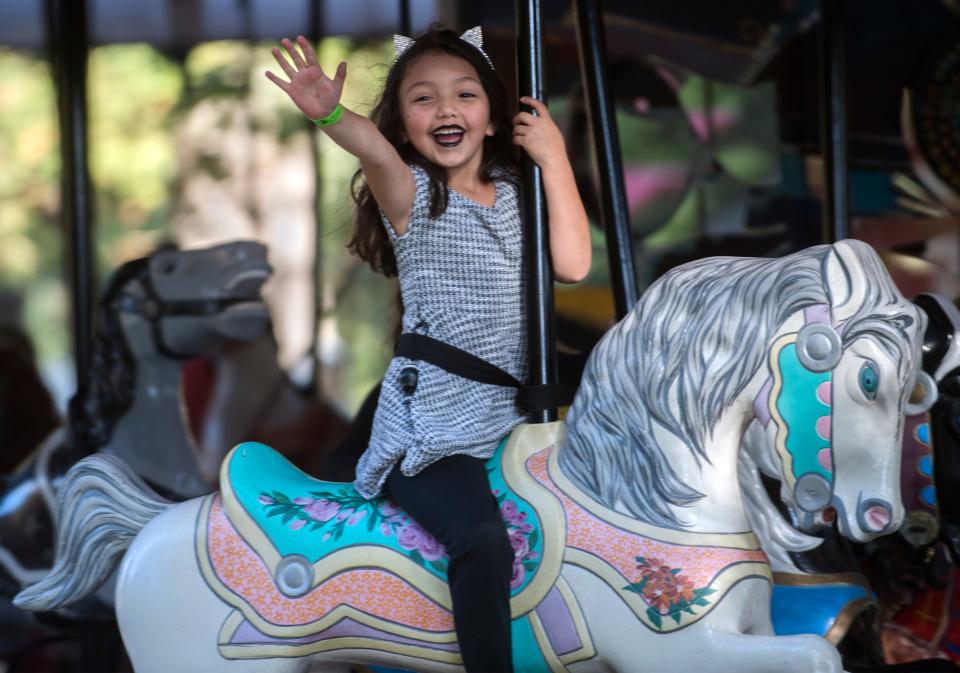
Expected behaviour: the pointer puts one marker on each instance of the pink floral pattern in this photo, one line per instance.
(335, 511)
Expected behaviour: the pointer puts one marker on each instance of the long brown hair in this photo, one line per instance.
(370, 241)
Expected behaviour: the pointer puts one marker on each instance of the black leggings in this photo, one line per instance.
(451, 500)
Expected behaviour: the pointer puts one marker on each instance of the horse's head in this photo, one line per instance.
(840, 377)
(188, 301)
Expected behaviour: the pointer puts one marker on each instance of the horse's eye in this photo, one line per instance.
(869, 380)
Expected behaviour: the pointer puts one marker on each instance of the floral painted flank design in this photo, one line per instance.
(333, 511)
(668, 592)
(678, 576)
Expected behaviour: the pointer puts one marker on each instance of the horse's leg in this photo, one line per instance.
(736, 637)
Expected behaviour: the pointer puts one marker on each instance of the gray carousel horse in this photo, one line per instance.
(155, 314)
(633, 549)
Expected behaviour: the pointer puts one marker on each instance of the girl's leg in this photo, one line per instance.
(451, 500)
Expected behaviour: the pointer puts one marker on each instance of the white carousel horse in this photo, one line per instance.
(825, 595)
(633, 550)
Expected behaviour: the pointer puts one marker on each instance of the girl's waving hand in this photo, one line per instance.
(309, 88)
(318, 97)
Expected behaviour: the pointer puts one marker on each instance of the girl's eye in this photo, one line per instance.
(869, 380)
(420, 99)
(468, 94)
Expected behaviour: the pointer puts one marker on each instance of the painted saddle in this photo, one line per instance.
(311, 566)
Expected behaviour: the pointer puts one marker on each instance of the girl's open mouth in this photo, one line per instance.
(448, 136)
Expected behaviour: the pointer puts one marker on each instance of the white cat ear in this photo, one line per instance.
(400, 44)
(846, 281)
(474, 36)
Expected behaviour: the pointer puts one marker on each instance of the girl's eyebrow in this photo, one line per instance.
(470, 78)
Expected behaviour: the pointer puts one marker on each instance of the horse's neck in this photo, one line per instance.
(251, 391)
(152, 437)
(720, 510)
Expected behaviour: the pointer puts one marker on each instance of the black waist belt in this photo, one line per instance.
(469, 366)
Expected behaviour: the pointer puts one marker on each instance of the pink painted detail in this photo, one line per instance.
(877, 517)
(619, 548)
(823, 427)
(825, 393)
(825, 458)
(370, 590)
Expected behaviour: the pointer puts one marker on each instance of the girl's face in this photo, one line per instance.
(446, 112)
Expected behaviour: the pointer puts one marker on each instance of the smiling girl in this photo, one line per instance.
(438, 206)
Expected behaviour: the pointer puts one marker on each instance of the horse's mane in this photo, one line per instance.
(707, 321)
(108, 394)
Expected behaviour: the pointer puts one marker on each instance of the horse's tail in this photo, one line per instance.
(101, 506)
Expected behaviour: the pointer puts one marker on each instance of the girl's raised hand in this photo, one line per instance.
(309, 88)
(539, 136)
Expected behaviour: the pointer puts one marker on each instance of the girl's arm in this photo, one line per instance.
(570, 247)
(388, 177)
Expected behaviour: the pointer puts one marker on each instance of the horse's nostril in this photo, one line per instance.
(877, 517)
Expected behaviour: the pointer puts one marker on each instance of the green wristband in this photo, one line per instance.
(331, 118)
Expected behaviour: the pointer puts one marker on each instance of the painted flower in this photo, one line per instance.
(343, 514)
(357, 517)
(266, 500)
(318, 509)
(664, 587)
(516, 579)
(414, 538)
(388, 508)
(297, 524)
(521, 547)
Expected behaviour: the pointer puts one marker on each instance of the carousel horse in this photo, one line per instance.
(632, 547)
(154, 314)
(819, 587)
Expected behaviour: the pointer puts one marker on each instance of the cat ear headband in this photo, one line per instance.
(473, 37)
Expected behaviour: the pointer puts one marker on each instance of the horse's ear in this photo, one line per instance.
(846, 280)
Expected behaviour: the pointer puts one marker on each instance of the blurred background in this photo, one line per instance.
(717, 111)
(128, 126)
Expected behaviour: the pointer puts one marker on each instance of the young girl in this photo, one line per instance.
(438, 205)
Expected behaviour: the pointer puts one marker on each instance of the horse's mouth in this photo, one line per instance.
(243, 320)
(248, 282)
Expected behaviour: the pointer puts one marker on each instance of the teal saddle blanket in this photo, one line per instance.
(300, 515)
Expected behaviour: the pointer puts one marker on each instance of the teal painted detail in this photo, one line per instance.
(312, 518)
(928, 496)
(800, 409)
(925, 466)
(527, 656)
(796, 610)
(923, 433)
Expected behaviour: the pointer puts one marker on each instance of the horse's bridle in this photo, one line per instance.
(153, 308)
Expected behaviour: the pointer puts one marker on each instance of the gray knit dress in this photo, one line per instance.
(461, 277)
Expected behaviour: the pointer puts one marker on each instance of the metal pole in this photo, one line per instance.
(67, 32)
(316, 139)
(833, 119)
(542, 344)
(591, 43)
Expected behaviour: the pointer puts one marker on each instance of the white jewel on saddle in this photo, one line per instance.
(473, 37)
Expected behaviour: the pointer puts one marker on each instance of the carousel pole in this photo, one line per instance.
(592, 47)
(542, 344)
(316, 375)
(833, 120)
(67, 32)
